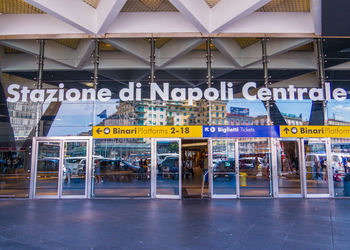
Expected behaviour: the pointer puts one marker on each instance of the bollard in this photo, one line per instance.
(243, 179)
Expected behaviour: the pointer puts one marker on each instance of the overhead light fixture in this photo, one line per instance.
(88, 84)
(194, 144)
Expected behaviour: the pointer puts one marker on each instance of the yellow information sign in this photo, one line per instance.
(146, 131)
(315, 131)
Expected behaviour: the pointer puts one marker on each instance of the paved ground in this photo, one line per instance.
(175, 224)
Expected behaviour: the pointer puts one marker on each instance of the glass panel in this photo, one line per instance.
(341, 166)
(74, 168)
(316, 167)
(288, 171)
(254, 167)
(122, 168)
(47, 168)
(224, 176)
(168, 167)
(14, 172)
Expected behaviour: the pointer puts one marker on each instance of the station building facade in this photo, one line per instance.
(68, 69)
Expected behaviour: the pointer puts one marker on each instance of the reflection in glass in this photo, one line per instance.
(122, 168)
(74, 168)
(47, 168)
(340, 151)
(168, 170)
(316, 168)
(293, 113)
(288, 168)
(224, 176)
(14, 173)
(254, 167)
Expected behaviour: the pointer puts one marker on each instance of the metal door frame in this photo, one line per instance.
(272, 156)
(275, 180)
(211, 167)
(154, 170)
(61, 141)
(326, 141)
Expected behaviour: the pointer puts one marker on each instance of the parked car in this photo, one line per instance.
(224, 168)
(161, 157)
(337, 162)
(169, 168)
(248, 162)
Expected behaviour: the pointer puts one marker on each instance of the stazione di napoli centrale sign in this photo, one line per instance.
(250, 91)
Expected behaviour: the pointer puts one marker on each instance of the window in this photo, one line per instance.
(150, 122)
(217, 114)
(150, 108)
(155, 109)
(223, 114)
(223, 108)
(217, 107)
(150, 116)
(154, 116)
(170, 113)
(217, 121)
(154, 123)
(177, 120)
(184, 114)
(161, 109)
(161, 116)
(161, 123)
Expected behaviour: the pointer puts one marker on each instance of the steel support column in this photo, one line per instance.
(96, 61)
(152, 62)
(209, 76)
(266, 78)
(39, 84)
(321, 75)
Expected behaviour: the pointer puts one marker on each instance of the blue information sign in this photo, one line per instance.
(241, 131)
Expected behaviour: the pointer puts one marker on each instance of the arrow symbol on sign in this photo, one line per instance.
(98, 131)
(286, 130)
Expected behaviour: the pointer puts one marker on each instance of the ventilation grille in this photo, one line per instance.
(212, 3)
(246, 41)
(92, 3)
(148, 6)
(18, 7)
(70, 43)
(286, 6)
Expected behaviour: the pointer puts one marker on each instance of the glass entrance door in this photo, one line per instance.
(167, 168)
(288, 174)
(60, 167)
(254, 167)
(74, 168)
(316, 165)
(47, 168)
(223, 168)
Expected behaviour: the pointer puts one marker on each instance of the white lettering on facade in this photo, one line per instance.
(250, 91)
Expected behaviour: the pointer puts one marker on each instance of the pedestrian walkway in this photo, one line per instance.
(175, 224)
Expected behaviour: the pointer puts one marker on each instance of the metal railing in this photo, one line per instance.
(203, 184)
